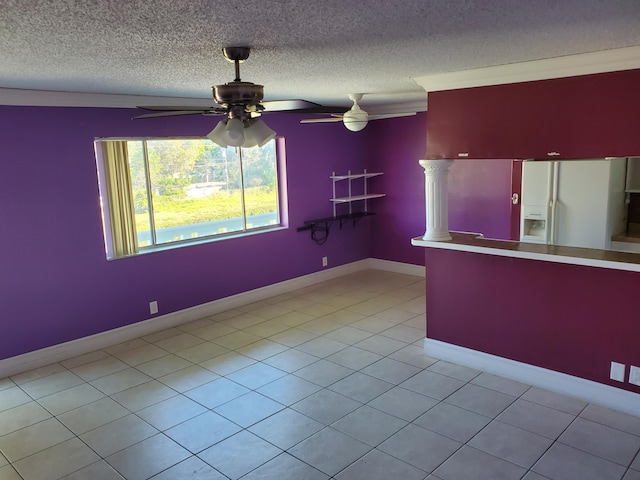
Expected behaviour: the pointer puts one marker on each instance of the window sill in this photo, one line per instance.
(200, 241)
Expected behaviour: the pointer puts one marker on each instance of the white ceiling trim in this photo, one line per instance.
(49, 98)
(568, 66)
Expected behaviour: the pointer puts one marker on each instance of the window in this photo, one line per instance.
(159, 192)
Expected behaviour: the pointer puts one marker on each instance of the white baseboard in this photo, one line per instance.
(397, 267)
(64, 351)
(587, 390)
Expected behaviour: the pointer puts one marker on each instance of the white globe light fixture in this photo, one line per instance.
(356, 118)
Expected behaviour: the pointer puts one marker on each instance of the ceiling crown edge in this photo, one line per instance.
(627, 58)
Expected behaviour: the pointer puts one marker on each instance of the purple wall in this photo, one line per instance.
(480, 197)
(55, 282)
(479, 191)
(395, 146)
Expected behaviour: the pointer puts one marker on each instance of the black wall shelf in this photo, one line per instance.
(320, 227)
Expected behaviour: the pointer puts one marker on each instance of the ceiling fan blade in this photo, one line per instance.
(181, 108)
(321, 120)
(391, 115)
(285, 105)
(173, 113)
(301, 106)
(333, 110)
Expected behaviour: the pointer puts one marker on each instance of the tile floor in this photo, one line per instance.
(329, 381)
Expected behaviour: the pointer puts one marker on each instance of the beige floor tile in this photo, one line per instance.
(6, 383)
(37, 373)
(51, 384)
(92, 415)
(268, 328)
(214, 330)
(171, 412)
(179, 342)
(236, 339)
(404, 333)
(34, 438)
(118, 435)
(143, 354)
(163, 366)
(228, 363)
(126, 346)
(99, 368)
(202, 352)
(8, 473)
(162, 335)
(394, 315)
(71, 398)
(293, 337)
(57, 461)
(294, 319)
(262, 349)
(290, 360)
(12, 397)
(348, 335)
(97, 471)
(144, 395)
(86, 358)
(195, 325)
(202, 431)
(373, 324)
(119, 381)
(244, 320)
(21, 416)
(188, 378)
(147, 458)
(269, 312)
(190, 469)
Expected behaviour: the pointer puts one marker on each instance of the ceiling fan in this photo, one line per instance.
(241, 102)
(355, 119)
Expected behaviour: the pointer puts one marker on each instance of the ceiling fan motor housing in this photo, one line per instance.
(238, 93)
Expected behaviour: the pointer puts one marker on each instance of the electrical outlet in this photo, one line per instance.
(325, 261)
(634, 375)
(153, 307)
(617, 371)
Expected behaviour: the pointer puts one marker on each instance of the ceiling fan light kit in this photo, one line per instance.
(217, 134)
(258, 133)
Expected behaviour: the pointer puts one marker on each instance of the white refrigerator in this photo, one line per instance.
(578, 203)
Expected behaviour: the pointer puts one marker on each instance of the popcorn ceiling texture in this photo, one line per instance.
(318, 50)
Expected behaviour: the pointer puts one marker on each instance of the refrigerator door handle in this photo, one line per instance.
(554, 202)
(554, 209)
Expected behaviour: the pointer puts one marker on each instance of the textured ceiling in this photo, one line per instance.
(317, 50)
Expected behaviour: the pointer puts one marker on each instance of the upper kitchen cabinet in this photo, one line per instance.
(587, 116)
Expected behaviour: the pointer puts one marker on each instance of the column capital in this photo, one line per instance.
(435, 165)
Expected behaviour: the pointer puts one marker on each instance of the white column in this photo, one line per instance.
(435, 186)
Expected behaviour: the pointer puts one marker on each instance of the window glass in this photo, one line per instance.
(190, 188)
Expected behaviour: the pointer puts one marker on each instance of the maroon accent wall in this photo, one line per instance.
(588, 116)
(55, 282)
(568, 318)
